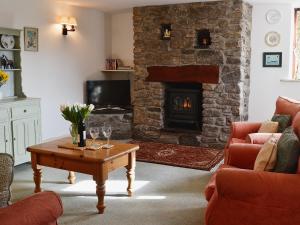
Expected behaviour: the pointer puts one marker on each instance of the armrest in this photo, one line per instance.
(38, 209)
(261, 138)
(242, 155)
(242, 129)
(263, 188)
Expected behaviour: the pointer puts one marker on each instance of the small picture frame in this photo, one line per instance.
(272, 59)
(31, 39)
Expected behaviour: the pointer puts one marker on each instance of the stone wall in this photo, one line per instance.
(121, 124)
(230, 25)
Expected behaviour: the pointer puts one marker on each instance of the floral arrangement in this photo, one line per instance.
(76, 113)
(3, 77)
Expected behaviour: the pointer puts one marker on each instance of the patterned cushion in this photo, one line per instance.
(268, 127)
(6, 177)
(283, 120)
(288, 150)
(266, 158)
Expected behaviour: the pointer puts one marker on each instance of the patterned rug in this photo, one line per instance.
(178, 155)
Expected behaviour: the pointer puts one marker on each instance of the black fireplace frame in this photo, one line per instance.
(184, 119)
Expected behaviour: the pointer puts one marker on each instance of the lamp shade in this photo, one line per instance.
(72, 21)
(64, 20)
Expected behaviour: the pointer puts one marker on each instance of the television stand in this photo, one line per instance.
(119, 118)
(111, 110)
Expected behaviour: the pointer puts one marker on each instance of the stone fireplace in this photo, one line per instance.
(217, 78)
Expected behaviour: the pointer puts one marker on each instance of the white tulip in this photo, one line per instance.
(63, 107)
(91, 107)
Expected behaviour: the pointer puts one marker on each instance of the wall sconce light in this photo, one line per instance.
(68, 24)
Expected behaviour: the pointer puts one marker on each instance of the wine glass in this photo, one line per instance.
(107, 130)
(94, 132)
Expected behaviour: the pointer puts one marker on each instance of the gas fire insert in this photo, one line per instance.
(183, 106)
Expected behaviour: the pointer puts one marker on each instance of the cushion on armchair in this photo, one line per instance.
(6, 177)
(284, 121)
(261, 138)
(288, 150)
(287, 106)
(266, 158)
(268, 127)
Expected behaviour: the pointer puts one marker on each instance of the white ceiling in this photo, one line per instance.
(119, 5)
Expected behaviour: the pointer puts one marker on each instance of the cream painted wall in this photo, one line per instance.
(266, 83)
(122, 36)
(57, 72)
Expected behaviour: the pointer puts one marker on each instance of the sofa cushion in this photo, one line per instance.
(287, 106)
(261, 138)
(296, 124)
(266, 158)
(288, 150)
(284, 121)
(268, 127)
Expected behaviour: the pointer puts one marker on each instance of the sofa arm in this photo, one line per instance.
(242, 129)
(38, 209)
(242, 155)
(261, 138)
(262, 188)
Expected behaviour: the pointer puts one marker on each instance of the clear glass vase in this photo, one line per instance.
(74, 133)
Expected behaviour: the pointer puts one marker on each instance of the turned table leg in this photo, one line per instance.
(37, 177)
(130, 172)
(71, 177)
(100, 191)
(100, 178)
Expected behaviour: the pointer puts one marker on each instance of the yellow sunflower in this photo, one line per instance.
(3, 77)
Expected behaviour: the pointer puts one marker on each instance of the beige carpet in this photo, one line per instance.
(164, 195)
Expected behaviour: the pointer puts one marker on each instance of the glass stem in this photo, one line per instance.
(107, 141)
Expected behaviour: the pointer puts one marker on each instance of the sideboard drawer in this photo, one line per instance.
(24, 111)
(4, 114)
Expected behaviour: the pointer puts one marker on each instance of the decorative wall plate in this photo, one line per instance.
(272, 39)
(273, 16)
(7, 41)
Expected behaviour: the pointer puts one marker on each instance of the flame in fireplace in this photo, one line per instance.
(187, 104)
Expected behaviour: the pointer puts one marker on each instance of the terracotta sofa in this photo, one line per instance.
(39, 209)
(238, 195)
(240, 130)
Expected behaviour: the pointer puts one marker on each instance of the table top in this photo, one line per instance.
(102, 155)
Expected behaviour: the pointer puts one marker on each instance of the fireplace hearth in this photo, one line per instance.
(183, 106)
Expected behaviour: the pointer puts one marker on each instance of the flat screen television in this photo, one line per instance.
(109, 93)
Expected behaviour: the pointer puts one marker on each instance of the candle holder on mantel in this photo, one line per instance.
(203, 39)
(165, 31)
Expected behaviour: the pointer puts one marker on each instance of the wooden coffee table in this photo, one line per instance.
(96, 163)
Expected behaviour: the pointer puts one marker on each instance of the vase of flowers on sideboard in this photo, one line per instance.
(3, 79)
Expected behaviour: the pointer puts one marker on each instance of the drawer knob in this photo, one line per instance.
(6, 141)
(25, 111)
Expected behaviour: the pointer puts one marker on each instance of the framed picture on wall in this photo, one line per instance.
(272, 59)
(31, 39)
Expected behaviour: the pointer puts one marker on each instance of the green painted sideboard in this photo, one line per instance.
(20, 126)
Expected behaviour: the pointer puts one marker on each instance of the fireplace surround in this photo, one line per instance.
(225, 88)
(183, 106)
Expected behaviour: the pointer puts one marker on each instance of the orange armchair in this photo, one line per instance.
(261, 198)
(239, 195)
(240, 130)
